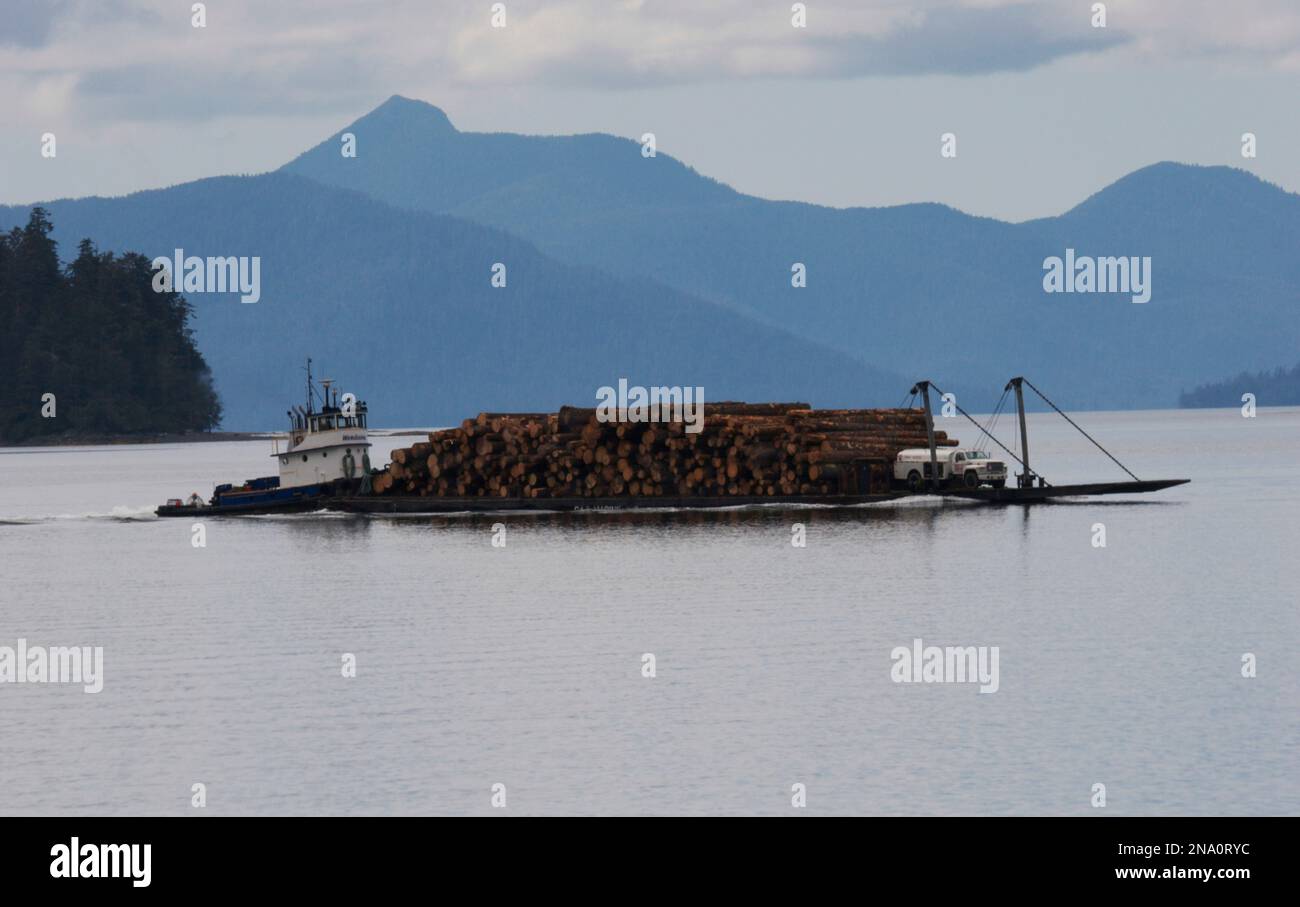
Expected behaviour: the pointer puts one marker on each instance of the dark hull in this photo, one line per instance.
(317, 500)
(1051, 492)
(418, 504)
(297, 505)
(415, 504)
(273, 500)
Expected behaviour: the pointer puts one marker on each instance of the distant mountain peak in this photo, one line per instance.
(1169, 183)
(411, 111)
(1190, 174)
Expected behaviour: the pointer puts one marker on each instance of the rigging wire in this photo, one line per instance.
(1080, 430)
(991, 438)
(987, 430)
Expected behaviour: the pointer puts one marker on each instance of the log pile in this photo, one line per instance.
(743, 450)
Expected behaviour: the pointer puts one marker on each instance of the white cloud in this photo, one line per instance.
(267, 78)
(573, 42)
(329, 54)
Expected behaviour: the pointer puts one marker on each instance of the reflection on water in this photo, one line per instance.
(676, 519)
(522, 664)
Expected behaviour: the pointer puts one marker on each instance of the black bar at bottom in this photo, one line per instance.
(303, 855)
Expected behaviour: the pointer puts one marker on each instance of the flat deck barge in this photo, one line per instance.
(428, 504)
(417, 504)
(753, 455)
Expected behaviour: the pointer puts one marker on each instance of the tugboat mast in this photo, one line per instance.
(309, 409)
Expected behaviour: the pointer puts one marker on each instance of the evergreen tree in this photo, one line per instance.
(1281, 387)
(119, 357)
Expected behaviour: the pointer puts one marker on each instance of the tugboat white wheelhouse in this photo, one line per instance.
(326, 453)
(323, 446)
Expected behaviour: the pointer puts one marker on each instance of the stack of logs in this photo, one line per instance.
(743, 449)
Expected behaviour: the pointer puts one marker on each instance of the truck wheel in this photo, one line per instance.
(972, 479)
(914, 481)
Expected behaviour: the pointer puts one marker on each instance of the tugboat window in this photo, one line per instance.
(304, 458)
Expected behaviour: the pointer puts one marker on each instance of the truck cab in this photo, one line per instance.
(957, 466)
(977, 467)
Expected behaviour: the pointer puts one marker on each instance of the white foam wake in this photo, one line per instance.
(120, 513)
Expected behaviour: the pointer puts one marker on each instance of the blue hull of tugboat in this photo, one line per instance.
(260, 500)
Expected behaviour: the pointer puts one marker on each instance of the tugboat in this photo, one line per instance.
(327, 453)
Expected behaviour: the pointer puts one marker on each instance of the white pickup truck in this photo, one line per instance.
(971, 468)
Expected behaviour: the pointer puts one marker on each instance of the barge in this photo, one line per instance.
(326, 466)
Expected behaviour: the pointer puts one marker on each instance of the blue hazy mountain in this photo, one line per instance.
(917, 289)
(398, 306)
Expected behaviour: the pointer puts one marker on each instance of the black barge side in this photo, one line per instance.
(415, 504)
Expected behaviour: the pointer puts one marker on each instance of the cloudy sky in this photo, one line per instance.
(847, 111)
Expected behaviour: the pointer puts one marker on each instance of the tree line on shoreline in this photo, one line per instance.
(91, 349)
(1280, 387)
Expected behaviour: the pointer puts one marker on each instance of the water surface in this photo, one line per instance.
(522, 665)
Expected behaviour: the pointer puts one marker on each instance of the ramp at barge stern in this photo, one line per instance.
(1051, 492)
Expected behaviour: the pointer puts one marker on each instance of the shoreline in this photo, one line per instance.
(194, 437)
(98, 440)
(112, 440)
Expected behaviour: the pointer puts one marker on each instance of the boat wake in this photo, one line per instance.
(921, 501)
(119, 514)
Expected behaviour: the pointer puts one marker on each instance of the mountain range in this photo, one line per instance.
(624, 265)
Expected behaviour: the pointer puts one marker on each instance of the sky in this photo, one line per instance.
(849, 110)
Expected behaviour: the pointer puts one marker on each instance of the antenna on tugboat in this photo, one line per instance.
(309, 384)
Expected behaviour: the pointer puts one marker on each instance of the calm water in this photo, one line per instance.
(522, 665)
